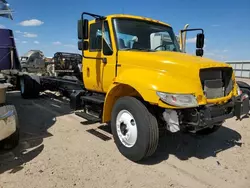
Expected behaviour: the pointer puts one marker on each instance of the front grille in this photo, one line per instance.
(216, 82)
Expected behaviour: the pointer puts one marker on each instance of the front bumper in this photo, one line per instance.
(218, 113)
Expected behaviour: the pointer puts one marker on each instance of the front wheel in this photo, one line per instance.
(135, 129)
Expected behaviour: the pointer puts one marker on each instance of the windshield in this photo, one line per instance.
(24, 58)
(27, 54)
(140, 35)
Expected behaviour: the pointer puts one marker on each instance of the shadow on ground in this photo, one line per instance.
(185, 146)
(35, 118)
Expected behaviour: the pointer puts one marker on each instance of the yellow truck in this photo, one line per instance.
(140, 89)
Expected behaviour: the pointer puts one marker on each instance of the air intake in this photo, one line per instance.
(216, 82)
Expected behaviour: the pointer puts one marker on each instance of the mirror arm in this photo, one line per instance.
(93, 15)
(96, 17)
(198, 29)
(184, 40)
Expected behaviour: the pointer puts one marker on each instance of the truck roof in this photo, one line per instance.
(135, 17)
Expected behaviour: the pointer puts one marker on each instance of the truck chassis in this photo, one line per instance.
(91, 103)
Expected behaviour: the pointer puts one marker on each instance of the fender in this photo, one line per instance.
(242, 84)
(245, 88)
(144, 83)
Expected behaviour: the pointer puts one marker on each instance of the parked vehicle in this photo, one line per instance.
(141, 89)
(9, 125)
(33, 61)
(66, 64)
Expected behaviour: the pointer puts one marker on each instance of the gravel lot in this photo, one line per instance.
(58, 149)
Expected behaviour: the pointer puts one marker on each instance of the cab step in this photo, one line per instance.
(91, 118)
(96, 99)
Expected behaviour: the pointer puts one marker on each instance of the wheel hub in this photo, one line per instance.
(123, 128)
(126, 128)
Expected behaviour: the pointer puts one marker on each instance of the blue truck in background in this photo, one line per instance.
(9, 126)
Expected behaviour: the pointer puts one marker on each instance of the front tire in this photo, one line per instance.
(135, 129)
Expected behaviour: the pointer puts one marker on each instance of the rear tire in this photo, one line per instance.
(29, 87)
(13, 140)
(135, 129)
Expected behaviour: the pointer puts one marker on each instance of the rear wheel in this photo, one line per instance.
(135, 129)
(29, 87)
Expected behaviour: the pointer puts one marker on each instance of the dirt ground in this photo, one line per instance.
(59, 149)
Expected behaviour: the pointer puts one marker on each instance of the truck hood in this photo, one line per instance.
(172, 62)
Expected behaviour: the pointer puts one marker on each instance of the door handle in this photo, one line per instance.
(104, 60)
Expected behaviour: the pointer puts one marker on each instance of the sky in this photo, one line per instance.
(51, 25)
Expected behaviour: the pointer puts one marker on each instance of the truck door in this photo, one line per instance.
(99, 74)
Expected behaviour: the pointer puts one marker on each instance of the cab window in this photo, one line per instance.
(95, 40)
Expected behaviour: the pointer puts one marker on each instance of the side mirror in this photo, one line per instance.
(200, 40)
(83, 29)
(199, 52)
(83, 45)
(80, 29)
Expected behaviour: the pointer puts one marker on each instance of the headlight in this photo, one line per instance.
(180, 100)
